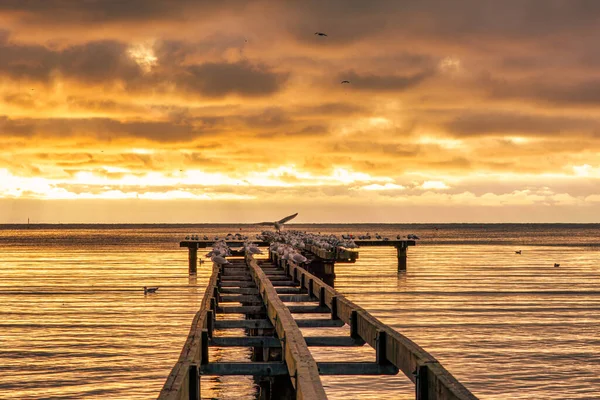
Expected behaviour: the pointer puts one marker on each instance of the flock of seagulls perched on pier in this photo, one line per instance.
(219, 251)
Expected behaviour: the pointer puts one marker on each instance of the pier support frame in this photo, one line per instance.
(323, 269)
(402, 250)
(193, 259)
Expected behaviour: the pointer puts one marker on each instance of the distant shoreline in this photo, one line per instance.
(290, 226)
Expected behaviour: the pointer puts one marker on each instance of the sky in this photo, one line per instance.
(234, 111)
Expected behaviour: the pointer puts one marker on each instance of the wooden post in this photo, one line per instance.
(210, 323)
(402, 256)
(204, 346)
(193, 258)
(380, 349)
(354, 325)
(334, 308)
(194, 383)
(322, 297)
(421, 392)
(329, 268)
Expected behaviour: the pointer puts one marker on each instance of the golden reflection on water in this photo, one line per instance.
(75, 323)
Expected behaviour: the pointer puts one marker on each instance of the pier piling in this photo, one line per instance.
(402, 252)
(193, 258)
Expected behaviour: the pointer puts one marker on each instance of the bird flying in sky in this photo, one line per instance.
(279, 224)
(320, 34)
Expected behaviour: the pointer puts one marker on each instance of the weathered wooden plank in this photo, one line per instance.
(299, 360)
(289, 290)
(297, 309)
(356, 368)
(283, 283)
(278, 278)
(241, 299)
(243, 323)
(241, 310)
(237, 284)
(319, 323)
(294, 298)
(237, 277)
(334, 341)
(245, 341)
(234, 290)
(245, 368)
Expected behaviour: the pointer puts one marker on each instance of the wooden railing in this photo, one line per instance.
(183, 382)
(300, 362)
(432, 380)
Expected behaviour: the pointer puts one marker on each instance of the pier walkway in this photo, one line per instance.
(266, 294)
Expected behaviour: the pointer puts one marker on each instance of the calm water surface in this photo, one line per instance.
(74, 322)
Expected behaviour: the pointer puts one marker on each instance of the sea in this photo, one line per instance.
(75, 323)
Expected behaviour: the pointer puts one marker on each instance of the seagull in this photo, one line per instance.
(320, 34)
(345, 82)
(279, 224)
(518, 252)
(150, 290)
(299, 258)
(219, 260)
(556, 265)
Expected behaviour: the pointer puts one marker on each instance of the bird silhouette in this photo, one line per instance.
(279, 224)
(556, 265)
(150, 290)
(345, 82)
(518, 252)
(320, 34)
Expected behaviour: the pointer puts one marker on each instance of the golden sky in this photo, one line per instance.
(234, 111)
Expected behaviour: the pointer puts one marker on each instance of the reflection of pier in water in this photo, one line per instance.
(269, 294)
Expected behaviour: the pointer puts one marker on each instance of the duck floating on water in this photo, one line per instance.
(150, 290)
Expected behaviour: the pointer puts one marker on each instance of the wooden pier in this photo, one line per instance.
(281, 358)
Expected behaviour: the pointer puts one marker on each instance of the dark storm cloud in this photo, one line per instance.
(92, 62)
(108, 61)
(221, 79)
(99, 11)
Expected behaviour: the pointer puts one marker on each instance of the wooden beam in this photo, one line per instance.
(245, 341)
(245, 368)
(241, 299)
(243, 323)
(301, 309)
(241, 310)
(319, 323)
(333, 341)
(287, 298)
(237, 284)
(234, 290)
(356, 368)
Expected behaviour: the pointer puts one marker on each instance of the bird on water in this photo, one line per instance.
(150, 290)
(278, 225)
(556, 265)
(518, 252)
